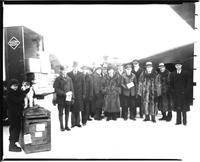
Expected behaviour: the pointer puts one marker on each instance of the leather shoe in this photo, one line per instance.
(14, 148)
(67, 128)
(78, 125)
(62, 129)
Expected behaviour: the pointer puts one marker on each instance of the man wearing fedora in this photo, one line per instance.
(179, 82)
(63, 86)
(165, 100)
(79, 91)
(137, 70)
(129, 92)
(149, 90)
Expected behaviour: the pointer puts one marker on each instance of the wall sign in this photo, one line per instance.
(13, 43)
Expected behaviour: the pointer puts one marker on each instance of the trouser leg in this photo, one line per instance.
(73, 121)
(125, 107)
(60, 115)
(178, 117)
(163, 115)
(153, 118)
(132, 107)
(15, 127)
(184, 113)
(98, 113)
(67, 115)
(84, 113)
(125, 112)
(77, 118)
(140, 106)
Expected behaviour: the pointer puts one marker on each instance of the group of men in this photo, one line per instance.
(117, 91)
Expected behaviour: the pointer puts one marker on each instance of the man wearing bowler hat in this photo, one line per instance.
(79, 91)
(137, 70)
(179, 82)
(149, 90)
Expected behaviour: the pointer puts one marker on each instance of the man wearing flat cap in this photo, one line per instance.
(137, 70)
(79, 91)
(129, 92)
(149, 90)
(179, 82)
(63, 86)
(165, 100)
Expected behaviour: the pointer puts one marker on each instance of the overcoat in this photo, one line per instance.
(149, 89)
(62, 85)
(126, 80)
(79, 91)
(165, 100)
(98, 82)
(137, 74)
(88, 87)
(111, 89)
(180, 88)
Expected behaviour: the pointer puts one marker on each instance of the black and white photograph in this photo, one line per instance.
(101, 82)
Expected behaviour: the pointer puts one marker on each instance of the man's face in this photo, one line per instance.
(120, 68)
(111, 72)
(178, 66)
(149, 69)
(89, 71)
(162, 68)
(128, 71)
(63, 72)
(98, 71)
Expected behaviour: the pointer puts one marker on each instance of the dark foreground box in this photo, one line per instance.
(36, 130)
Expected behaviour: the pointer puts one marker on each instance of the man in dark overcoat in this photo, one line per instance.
(179, 82)
(165, 100)
(137, 70)
(98, 81)
(79, 91)
(88, 95)
(63, 85)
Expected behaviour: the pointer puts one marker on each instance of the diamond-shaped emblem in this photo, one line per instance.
(13, 43)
